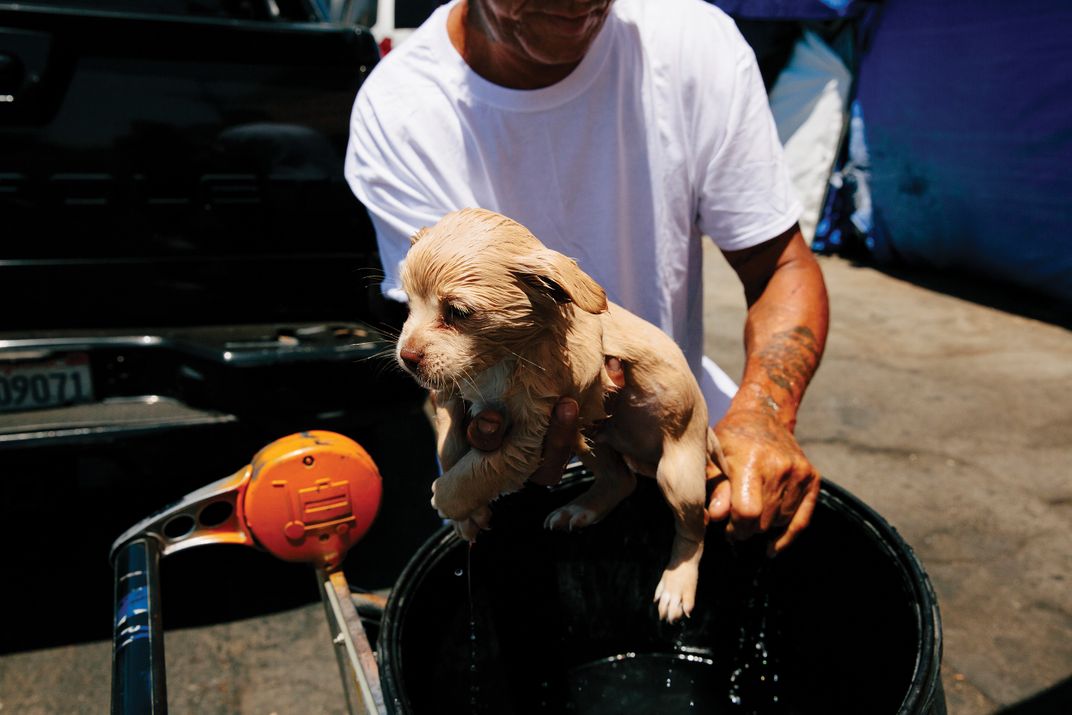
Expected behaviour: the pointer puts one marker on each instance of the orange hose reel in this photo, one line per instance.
(311, 496)
(306, 497)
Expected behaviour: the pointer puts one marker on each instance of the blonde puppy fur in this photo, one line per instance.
(499, 320)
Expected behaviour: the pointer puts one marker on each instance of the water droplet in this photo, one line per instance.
(458, 572)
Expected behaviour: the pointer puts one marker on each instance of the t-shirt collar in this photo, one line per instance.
(521, 100)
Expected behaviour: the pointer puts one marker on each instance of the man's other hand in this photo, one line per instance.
(772, 486)
(485, 431)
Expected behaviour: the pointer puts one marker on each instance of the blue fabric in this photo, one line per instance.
(848, 217)
(791, 9)
(968, 114)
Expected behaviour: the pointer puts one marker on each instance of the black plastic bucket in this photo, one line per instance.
(529, 621)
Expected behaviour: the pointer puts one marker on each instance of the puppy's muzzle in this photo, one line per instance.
(411, 359)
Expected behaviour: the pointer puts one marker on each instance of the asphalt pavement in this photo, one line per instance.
(951, 418)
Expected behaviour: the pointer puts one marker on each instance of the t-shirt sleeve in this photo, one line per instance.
(376, 171)
(746, 196)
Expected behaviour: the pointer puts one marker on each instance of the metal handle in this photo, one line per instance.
(357, 662)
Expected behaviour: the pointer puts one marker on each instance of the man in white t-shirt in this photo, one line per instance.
(619, 133)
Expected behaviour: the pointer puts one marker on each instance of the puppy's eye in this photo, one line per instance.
(454, 313)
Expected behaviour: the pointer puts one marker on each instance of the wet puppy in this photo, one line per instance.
(499, 320)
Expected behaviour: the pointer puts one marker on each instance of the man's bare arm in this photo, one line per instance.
(785, 332)
(773, 487)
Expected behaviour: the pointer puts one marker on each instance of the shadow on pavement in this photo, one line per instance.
(984, 291)
(973, 287)
(1056, 700)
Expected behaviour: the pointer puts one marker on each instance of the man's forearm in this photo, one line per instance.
(785, 333)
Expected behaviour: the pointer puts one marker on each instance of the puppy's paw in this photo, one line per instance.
(450, 504)
(676, 592)
(570, 517)
(466, 529)
(479, 520)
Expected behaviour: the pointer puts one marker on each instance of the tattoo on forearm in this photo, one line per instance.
(789, 359)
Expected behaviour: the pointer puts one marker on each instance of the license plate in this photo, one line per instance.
(48, 383)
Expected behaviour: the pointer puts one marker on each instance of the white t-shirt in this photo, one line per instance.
(661, 134)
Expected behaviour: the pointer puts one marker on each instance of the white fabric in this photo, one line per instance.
(661, 134)
(718, 389)
(809, 102)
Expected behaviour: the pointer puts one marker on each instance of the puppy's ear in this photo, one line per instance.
(559, 278)
(418, 236)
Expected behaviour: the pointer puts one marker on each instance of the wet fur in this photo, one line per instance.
(501, 321)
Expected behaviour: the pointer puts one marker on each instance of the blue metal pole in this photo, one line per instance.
(138, 682)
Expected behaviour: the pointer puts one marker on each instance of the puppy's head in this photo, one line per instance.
(480, 287)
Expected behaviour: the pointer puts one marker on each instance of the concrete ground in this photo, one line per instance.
(952, 419)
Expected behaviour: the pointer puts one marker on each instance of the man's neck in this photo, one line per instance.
(494, 61)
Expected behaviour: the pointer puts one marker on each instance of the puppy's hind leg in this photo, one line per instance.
(681, 477)
(614, 482)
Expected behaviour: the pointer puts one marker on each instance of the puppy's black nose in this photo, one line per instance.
(411, 358)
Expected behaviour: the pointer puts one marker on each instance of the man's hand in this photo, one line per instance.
(485, 431)
(773, 487)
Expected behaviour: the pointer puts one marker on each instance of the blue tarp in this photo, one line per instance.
(791, 9)
(965, 158)
(967, 106)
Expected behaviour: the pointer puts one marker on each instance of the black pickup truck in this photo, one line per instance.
(184, 277)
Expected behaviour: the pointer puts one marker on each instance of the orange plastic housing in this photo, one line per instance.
(311, 496)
